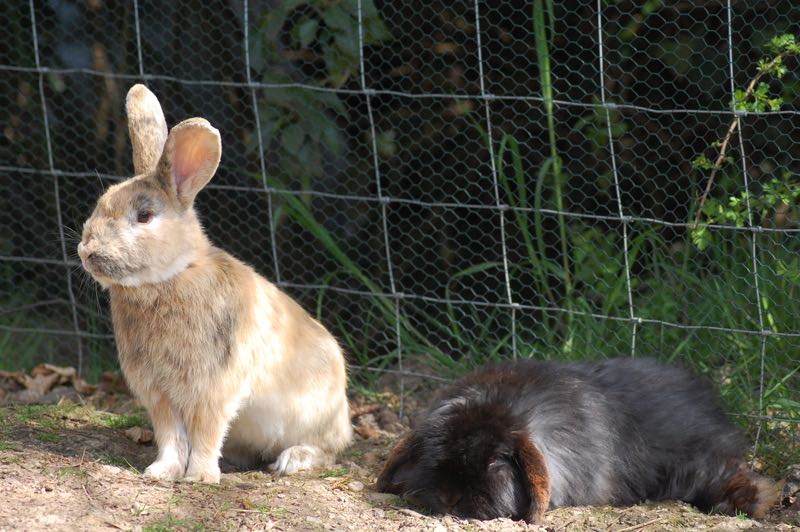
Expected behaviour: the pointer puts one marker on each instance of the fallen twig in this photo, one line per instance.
(641, 525)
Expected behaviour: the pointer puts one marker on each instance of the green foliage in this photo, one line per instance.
(334, 472)
(173, 524)
(785, 44)
(702, 162)
(789, 270)
(321, 35)
(545, 79)
(121, 421)
(594, 126)
(735, 212)
(756, 98)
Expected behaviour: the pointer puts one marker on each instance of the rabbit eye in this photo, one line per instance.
(144, 216)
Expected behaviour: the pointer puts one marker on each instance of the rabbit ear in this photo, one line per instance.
(191, 156)
(147, 128)
(391, 478)
(534, 470)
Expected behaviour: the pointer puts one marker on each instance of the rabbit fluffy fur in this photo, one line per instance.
(514, 440)
(214, 351)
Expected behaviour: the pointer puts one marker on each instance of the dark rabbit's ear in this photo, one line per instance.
(391, 479)
(534, 470)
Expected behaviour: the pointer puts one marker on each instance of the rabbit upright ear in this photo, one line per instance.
(147, 128)
(391, 478)
(534, 470)
(191, 156)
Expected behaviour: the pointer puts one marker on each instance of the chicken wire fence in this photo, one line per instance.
(442, 183)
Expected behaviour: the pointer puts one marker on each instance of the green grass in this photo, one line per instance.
(8, 446)
(50, 417)
(334, 472)
(271, 511)
(71, 472)
(48, 437)
(170, 524)
(120, 421)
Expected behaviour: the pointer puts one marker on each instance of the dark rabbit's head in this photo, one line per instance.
(470, 461)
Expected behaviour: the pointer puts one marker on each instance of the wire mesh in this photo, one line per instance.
(441, 183)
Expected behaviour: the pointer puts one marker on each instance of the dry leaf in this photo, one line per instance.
(40, 384)
(139, 435)
(16, 376)
(357, 411)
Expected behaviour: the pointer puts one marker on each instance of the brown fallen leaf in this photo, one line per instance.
(41, 383)
(139, 435)
(367, 427)
(16, 376)
(367, 432)
(357, 411)
(47, 369)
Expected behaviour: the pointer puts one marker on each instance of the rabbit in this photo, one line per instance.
(515, 439)
(224, 362)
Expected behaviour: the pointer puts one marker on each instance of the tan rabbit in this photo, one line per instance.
(212, 349)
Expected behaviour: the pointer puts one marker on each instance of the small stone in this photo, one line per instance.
(110, 469)
(356, 486)
(314, 520)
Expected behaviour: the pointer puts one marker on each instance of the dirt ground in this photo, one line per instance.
(75, 465)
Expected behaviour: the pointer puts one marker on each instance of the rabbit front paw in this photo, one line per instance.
(209, 474)
(164, 470)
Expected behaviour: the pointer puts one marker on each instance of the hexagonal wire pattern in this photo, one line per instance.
(441, 183)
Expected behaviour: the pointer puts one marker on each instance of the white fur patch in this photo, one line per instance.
(130, 235)
(172, 455)
(297, 458)
(150, 276)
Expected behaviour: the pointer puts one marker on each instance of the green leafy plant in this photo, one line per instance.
(313, 42)
(754, 98)
(774, 194)
(540, 10)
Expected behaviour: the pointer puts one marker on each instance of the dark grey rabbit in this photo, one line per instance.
(513, 440)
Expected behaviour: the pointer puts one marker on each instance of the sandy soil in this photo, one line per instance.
(71, 467)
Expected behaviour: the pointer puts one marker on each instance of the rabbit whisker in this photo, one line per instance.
(100, 180)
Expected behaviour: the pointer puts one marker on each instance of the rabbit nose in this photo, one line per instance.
(449, 499)
(83, 252)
